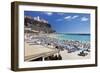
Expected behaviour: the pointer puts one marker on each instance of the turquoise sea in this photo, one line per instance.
(76, 37)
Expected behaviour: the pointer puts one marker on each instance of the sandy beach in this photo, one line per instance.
(72, 56)
(45, 45)
(36, 51)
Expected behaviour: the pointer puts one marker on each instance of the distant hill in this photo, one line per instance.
(38, 24)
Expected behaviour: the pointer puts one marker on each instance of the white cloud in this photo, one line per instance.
(48, 13)
(59, 19)
(73, 17)
(84, 19)
(67, 17)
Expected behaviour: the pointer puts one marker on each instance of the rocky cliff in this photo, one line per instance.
(38, 24)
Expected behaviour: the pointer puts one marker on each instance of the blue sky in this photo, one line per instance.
(64, 22)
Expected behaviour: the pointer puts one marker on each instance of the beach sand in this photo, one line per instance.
(36, 51)
(72, 56)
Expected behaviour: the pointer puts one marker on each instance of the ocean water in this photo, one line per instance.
(76, 37)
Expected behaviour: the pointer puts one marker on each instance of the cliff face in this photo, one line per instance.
(38, 24)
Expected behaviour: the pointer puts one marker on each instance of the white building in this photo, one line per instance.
(40, 20)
